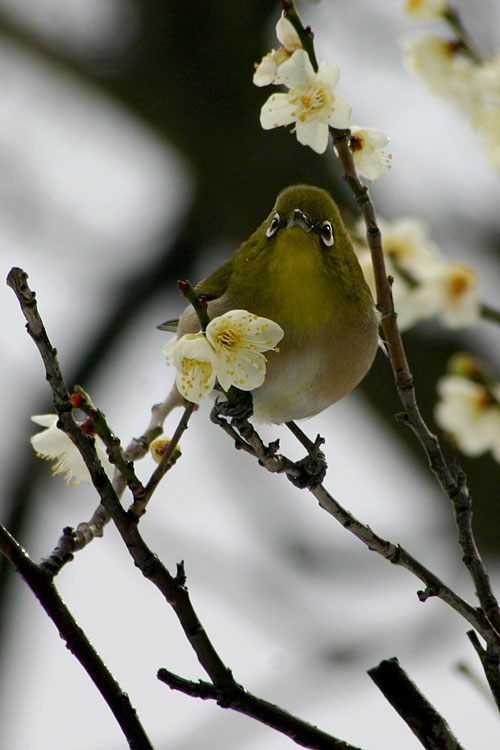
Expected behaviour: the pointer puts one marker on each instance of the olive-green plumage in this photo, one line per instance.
(299, 269)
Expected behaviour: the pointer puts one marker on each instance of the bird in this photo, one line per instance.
(300, 270)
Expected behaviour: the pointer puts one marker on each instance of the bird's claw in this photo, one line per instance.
(312, 468)
(239, 408)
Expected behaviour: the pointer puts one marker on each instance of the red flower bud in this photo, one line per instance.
(77, 400)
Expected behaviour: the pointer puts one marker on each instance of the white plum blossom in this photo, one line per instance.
(53, 444)
(230, 351)
(238, 339)
(311, 102)
(267, 71)
(470, 413)
(194, 360)
(367, 146)
(426, 10)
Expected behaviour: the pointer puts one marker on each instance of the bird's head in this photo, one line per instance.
(301, 258)
(309, 209)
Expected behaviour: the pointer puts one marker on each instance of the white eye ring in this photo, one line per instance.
(273, 226)
(327, 237)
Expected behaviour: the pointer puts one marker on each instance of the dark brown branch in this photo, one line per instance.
(172, 588)
(71, 540)
(238, 699)
(453, 485)
(424, 721)
(77, 642)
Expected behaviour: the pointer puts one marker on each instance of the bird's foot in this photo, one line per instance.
(313, 467)
(238, 406)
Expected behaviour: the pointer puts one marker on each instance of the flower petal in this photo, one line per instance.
(369, 164)
(340, 115)
(238, 337)
(287, 34)
(329, 74)
(278, 110)
(266, 71)
(297, 72)
(52, 443)
(314, 133)
(246, 370)
(45, 420)
(194, 360)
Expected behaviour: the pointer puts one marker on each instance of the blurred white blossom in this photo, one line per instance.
(426, 10)
(53, 444)
(426, 285)
(450, 294)
(311, 102)
(473, 86)
(470, 413)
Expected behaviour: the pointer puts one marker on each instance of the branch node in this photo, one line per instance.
(180, 576)
(427, 593)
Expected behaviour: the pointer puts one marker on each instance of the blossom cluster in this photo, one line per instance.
(229, 351)
(452, 70)
(312, 105)
(468, 408)
(426, 285)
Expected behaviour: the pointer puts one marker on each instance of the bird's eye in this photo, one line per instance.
(327, 234)
(273, 226)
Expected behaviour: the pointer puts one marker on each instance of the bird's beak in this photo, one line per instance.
(298, 219)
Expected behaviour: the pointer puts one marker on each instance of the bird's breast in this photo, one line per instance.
(316, 368)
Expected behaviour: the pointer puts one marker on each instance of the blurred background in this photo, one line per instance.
(131, 155)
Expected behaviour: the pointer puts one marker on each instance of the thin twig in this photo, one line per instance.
(302, 437)
(276, 462)
(489, 661)
(238, 699)
(77, 642)
(464, 43)
(424, 721)
(139, 506)
(490, 313)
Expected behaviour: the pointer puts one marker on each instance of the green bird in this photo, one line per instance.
(299, 269)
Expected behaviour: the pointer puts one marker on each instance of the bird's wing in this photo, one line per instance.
(169, 325)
